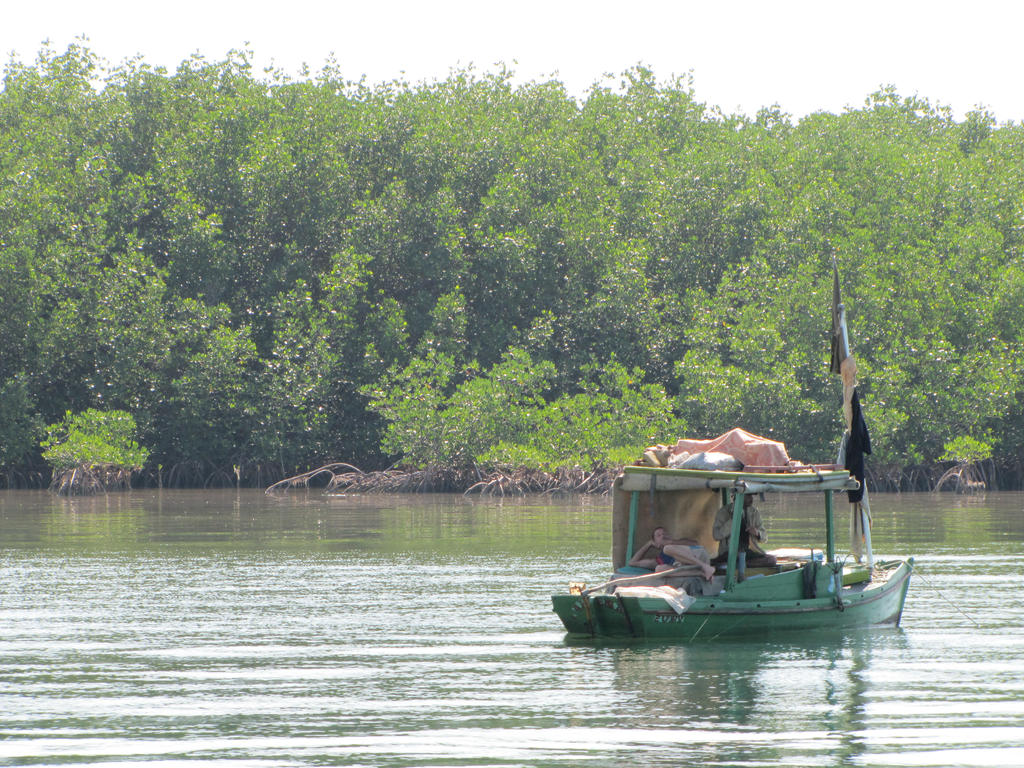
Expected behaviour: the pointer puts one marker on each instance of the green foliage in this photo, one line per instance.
(267, 271)
(20, 426)
(214, 400)
(93, 438)
(966, 450)
(610, 422)
(437, 416)
(504, 418)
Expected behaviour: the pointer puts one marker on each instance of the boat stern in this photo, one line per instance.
(593, 615)
(575, 613)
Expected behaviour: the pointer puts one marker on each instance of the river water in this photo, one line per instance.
(234, 629)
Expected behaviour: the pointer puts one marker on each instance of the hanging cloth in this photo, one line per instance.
(858, 444)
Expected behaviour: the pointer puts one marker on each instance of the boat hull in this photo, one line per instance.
(610, 615)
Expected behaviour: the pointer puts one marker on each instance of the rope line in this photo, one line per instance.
(914, 570)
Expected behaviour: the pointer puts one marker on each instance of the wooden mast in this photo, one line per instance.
(844, 364)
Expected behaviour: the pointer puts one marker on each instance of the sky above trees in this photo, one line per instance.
(803, 55)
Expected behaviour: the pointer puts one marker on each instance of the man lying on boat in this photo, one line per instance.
(672, 553)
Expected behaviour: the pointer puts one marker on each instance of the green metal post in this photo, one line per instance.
(634, 506)
(830, 529)
(734, 541)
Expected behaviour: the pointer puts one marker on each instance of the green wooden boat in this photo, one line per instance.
(804, 590)
(795, 592)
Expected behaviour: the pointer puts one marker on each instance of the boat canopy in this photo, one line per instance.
(678, 488)
(685, 501)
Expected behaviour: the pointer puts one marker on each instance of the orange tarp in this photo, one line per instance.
(752, 450)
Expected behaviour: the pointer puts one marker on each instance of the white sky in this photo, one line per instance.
(803, 55)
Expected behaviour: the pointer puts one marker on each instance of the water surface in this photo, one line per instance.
(233, 629)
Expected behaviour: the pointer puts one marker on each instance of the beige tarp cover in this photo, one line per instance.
(752, 450)
(683, 514)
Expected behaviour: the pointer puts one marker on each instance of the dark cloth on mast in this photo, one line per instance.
(838, 354)
(858, 444)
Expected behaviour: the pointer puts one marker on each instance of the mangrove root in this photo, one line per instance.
(965, 478)
(89, 479)
(344, 478)
(334, 472)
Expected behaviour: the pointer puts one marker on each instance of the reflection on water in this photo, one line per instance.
(750, 693)
(229, 627)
